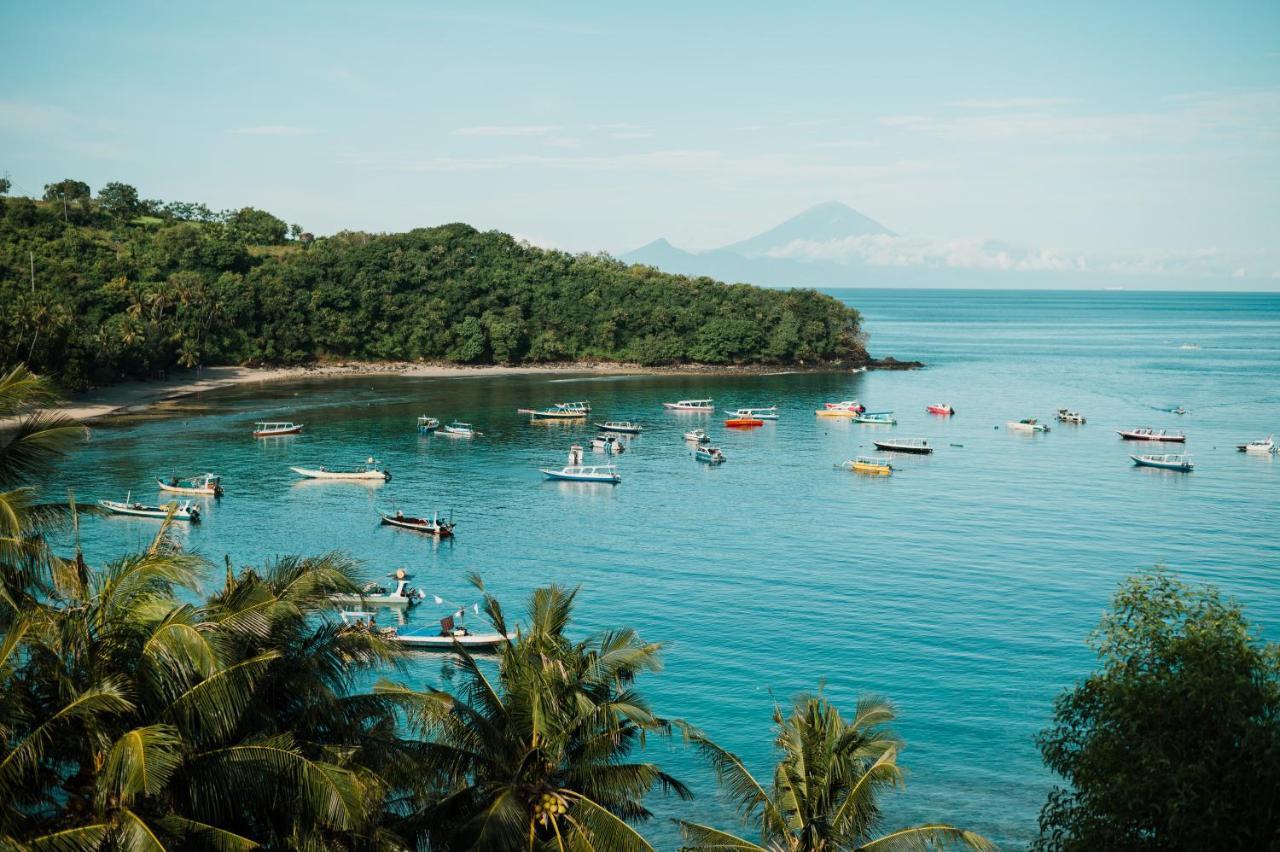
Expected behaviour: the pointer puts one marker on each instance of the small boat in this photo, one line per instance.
(869, 465)
(379, 595)
(431, 526)
(622, 427)
(743, 422)
(427, 425)
(710, 455)
(606, 473)
(689, 405)
(184, 512)
(1170, 461)
(207, 484)
(940, 408)
(1029, 424)
(917, 448)
(770, 413)
(368, 470)
(847, 405)
(882, 418)
(431, 639)
(559, 411)
(697, 436)
(270, 429)
(1263, 447)
(607, 444)
(458, 429)
(1147, 434)
(1066, 415)
(1179, 411)
(846, 413)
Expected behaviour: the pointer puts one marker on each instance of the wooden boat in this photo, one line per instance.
(1169, 461)
(882, 418)
(458, 429)
(622, 427)
(1029, 424)
(770, 413)
(689, 405)
(918, 448)
(1147, 434)
(1066, 415)
(181, 512)
(940, 408)
(559, 411)
(697, 436)
(373, 593)
(431, 526)
(870, 466)
(605, 473)
(1263, 447)
(427, 425)
(368, 470)
(710, 455)
(271, 429)
(607, 444)
(743, 422)
(206, 484)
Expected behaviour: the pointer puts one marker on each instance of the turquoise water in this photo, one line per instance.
(962, 588)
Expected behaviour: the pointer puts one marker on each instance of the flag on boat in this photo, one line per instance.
(438, 599)
(475, 608)
(446, 624)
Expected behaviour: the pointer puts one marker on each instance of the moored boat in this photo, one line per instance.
(845, 413)
(940, 408)
(689, 405)
(869, 465)
(273, 428)
(367, 471)
(458, 429)
(1179, 411)
(697, 436)
(206, 484)
(743, 422)
(1168, 461)
(622, 427)
(604, 473)
(433, 526)
(846, 405)
(433, 639)
(882, 418)
(427, 425)
(710, 455)
(769, 413)
(1029, 424)
(374, 593)
(181, 512)
(1262, 447)
(1148, 434)
(1066, 415)
(914, 447)
(607, 444)
(559, 411)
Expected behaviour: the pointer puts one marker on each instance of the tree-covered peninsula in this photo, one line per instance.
(98, 289)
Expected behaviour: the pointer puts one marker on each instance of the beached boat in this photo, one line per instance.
(458, 429)
(1066, 415)
(710, 455)
(427, 425)
(769, 413)
(882, 418)
(271, 429)
(374, 593)
(743, 422)
(1029, 424)
(431, 526)
(940, 408)
(689, 405)
(608, 444)
(622, 427)
(869, 465)
(559, 411)
(605, 473)
(206, 484)
(368, 471)
(697, 436)
(1169, 461)
(1263, 447)
(917, 448)
(181, 512)
(1147, 434)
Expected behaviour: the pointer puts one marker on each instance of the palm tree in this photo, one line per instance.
(825, 787)
(541, 758)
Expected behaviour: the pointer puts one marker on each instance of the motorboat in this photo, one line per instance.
(438, 639)
(710, 455)
(559, 411)
(458, 429)
(607, 444)
(697, 436)
(602, 473)
(206, 484)
(917, 448)
(1169, 461)
(689, 405)
(1262, 447)
(1148, 434)
(846, 405)
(769, 413)
(869, 465)
(427, 425)
(379, 595)
(881, 418)
(179, 512)
(272, 429)
(432, 526)
(1029, 424)
(622, 427)
(367, 471)
(940, 408)
(1066, 415)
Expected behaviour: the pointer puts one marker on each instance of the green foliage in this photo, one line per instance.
(5, 186)
(67, 189)
(1175, 742)
(257, 227)
(119, 201)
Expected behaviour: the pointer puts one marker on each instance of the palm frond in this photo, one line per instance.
(84, 838)
(205, 835)
(926, 838)
(139, 763)
(697, 836)
(600, 828)
(740, 785)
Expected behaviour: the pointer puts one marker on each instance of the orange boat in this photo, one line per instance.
(743, 422)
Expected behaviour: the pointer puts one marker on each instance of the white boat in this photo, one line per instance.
(607, 444)
(1066, 415)
(1179, 411)
(882, 418)
(621, 427)
(368, 470)
(206, 484)
(697, 436)
(1148, 434)
(1262, 447)
(605, 473)
(181, 512)
(1030, 424)
(458, 429)
(559, 411)
(847, 405)
(427, 425)
(770, 413)
(1168, 461)
(689, 405)
(379, 595)
(710, 455)
(273, 428)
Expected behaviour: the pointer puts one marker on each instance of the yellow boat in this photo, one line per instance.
(835, 412)
(870, 466)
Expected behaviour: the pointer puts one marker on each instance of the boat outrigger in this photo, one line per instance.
(710, 455)
(271, 429)
(917, 448)
(869, 465)
(1168, 461)
(697, 436)
(427, 425)
(622, 427)
(433, 526)
(206, 484)
(1066, 415)
(1148, 434)
(367, 471)
(559, 411)
(1029, 424)
(373, 593)
(770, 413)
(940, 408)
(605, 473)
(180, 512)
(1262, 447)
(689, 405)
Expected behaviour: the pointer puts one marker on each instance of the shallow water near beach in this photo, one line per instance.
(962, 588)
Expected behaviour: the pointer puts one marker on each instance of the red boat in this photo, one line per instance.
(940, 408)
(1152, 435)
(743, 422)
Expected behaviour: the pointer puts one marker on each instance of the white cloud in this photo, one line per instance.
(507, 130)
(1012, 103)
(273, 130)
(568, 142)
(32, 118)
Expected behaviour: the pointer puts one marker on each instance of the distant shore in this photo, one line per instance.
(134, 397)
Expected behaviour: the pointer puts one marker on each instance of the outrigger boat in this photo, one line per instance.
(622, 427)
(770, 413)
(368, 470)
(1263, 447)
(184, 512)
(940, 408)
(449, 635)
(559, 411)
(206, 484)
(1169, 461)
(373, 593)
(1029, 424)
(431, 526)
(917, 448)
(710, 455)
(882, 418)
(270, 429)
(458, 429)
(1066, 415)
(697, 436)
(427, 425)
(689, 405)
(870, 466)
(605, 473)
(1147, 434)
(743, 422)
(607, 444)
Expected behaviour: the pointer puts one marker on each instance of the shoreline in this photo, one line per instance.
(137, 396)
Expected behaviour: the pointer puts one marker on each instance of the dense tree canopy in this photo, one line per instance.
(130, 288)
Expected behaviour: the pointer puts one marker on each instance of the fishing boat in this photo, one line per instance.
(916, 448)
(206, 484)
(271, 429)
(743, 422)
(689, 405)
(697, 436)
(181, 512)
(869, 465)
(770, 413)
(427, 425)
(607, 444)
(940, 408)
(1066, 415)
(1263, 447)
(605, 473)
(1147, 434)
(458, 429)
(710, 455)
(369, 470)
(882, 418)
(559, 411)
(1169, 461)
(1029, 424)
(431, 526)
(379, 595)
(622, 427)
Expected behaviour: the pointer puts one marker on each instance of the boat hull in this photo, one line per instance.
(743, 422)
(363, 475)
(213, 491)
(1153, 438)
(620, 430)
(836, 412)
(272, 433)
(603, 479)
(944, 410)
(912, 449)
(436, 642)
(158, 513)
(871, 469)
(423, 526)
(374, 600)
(1183, 466)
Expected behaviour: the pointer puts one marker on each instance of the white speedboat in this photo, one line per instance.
(273, 428)
(368, 470)
(604, 473)
(207, 484)
(1030, 424)
(1262, 447)
(378, 595)
(184, 512)
(710, 455)
(689, 405)
(1066, 415)
(697, 436)
(458, 429)
(438, 639)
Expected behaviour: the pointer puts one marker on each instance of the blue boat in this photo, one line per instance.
(605, 473)
(1169, 461)
(709, 455)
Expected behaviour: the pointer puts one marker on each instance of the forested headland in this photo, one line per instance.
(95, 289)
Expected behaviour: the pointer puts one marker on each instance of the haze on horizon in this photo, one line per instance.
(1135, 140)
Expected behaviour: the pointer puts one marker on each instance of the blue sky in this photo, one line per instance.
(1136, 137)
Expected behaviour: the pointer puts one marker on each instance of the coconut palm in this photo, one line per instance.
(541, 757)
(825, 787)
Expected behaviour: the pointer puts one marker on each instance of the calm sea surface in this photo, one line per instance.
(962, 588)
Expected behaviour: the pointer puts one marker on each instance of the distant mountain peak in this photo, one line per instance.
(821, 223)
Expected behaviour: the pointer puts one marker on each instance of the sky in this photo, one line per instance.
(1139, 137)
